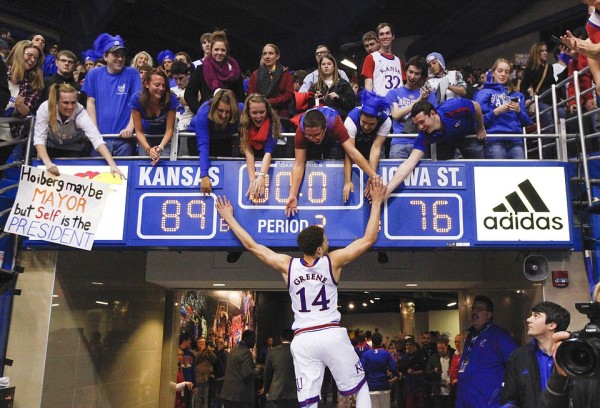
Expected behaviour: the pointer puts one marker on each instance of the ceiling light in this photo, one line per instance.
(350, 305)
(451, 304)
(97, 283)
(364, 304)
(371, 301)
(101, 302)
(377, 298)
(218, 285)
(55, 304)
(412, 285)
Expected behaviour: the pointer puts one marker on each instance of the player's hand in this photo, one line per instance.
(223, 207)
(348, 188)
(117, 172)
(126, 133)
(291, 207)
(206, 185)
(378, 191)
(370, 185)
(558, 338)
(52, 169)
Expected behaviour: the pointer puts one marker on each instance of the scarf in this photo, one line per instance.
(220, 76)
(258, 137)
(267, 85)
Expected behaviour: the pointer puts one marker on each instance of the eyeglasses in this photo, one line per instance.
(66, 61)
(320, 52)
(479, 309)
(31, 56)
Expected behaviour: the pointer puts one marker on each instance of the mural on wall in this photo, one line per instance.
(214, 314)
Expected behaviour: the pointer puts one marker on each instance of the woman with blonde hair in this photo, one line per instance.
(140, 59)
(215, 125)
(504, 112)
(63, 128)
(260, 129)
(25, 83)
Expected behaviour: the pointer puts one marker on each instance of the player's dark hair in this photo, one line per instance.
(377, 339)
(310, 238)
(314, 118)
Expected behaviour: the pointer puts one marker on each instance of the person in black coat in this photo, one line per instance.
(240, 373)
(279, 376)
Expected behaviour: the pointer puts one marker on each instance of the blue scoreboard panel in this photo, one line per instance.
(441, 204)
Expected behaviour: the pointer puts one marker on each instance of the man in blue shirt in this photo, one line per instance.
(484, 358)
(401, 101)
(377, 362)
(529, 366)
(446, 126)
(109, 90)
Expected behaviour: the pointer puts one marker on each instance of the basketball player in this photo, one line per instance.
(319, 340)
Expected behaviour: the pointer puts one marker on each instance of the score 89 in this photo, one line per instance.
(171, 213)
(317, 193)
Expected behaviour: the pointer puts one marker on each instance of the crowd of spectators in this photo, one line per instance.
(139, 104)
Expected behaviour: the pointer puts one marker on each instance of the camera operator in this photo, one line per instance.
(564, 390)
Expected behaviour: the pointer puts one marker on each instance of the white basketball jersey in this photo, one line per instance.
(387, 74)
(314, 293)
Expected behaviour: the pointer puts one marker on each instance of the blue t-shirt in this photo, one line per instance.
(112, 93)
(376, 363)
(158, 125)
(458, 120)
(405, 97)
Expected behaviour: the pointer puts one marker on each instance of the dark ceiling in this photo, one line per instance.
(453, 27)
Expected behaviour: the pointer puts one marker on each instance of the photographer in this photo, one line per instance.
(564, 390)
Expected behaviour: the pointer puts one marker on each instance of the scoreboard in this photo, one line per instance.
(478, 204)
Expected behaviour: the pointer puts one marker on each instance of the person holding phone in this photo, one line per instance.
(504, 112)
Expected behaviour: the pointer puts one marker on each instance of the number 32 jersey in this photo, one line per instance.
(314, 293)
(385, 70)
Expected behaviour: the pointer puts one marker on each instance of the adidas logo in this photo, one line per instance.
(539, 219)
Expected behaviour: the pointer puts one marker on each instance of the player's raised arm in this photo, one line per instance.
(343, 256)
(271, 258)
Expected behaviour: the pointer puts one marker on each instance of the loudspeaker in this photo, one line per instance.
(535, 268)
